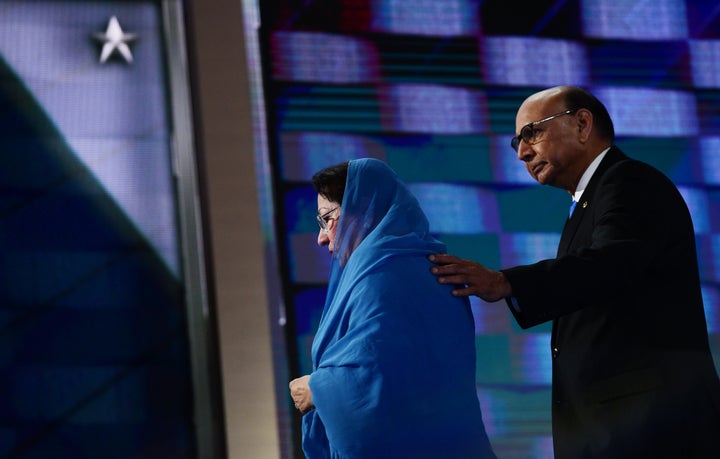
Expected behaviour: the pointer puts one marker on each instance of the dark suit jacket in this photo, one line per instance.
(633, 375)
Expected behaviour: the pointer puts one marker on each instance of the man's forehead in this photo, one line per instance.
(537, 108)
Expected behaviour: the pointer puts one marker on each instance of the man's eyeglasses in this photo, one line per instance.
(325, 218)
(527, 133)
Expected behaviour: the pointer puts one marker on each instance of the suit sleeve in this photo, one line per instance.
(633, 215)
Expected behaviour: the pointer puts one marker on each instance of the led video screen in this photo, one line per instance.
(432, 87)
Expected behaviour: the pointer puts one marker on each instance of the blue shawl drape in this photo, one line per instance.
(394, 355)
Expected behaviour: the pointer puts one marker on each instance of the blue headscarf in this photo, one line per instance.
(394, 355)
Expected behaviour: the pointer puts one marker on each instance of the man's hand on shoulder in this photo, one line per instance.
(471, 278)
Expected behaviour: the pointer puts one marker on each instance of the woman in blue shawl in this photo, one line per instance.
(394, 354)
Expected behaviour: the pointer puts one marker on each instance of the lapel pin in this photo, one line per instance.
(585, 203)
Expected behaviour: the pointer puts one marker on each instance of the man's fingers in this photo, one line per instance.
(452, 274)
(467, 291)
(443, 258)
(452, 278)
(447, 268)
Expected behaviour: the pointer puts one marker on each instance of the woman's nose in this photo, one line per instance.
(323, 238)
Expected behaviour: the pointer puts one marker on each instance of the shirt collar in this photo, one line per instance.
(587, 175)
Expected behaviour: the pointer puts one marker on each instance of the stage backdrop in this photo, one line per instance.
(98, 255)
(432, 87)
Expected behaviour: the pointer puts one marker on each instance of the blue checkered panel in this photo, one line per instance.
(432, 87)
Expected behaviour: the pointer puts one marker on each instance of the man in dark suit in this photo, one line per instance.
(633, 376)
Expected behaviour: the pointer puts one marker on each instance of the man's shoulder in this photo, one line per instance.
(620, 163)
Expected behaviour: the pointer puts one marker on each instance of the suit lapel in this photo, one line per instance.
(573, 223)
(582, 211)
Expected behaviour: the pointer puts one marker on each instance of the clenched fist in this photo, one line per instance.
(301, 394)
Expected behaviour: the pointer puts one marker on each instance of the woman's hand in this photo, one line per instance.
(301, 394)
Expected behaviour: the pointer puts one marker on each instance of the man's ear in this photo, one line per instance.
(584, 124)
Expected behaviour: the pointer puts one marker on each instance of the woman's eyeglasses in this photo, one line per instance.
(527, 133)
(325, 218)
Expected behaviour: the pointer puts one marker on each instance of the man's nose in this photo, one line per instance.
(525, 152)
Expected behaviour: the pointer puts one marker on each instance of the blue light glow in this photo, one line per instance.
(323, 58)
(433, 109)
(710, 159)
(705, 63)
(698, 203)
(529, 352)
(632, 19)
(711, 301)
(532, 61)
(426, 17)
(651, 112)
(304, 153)
(527, 248)
(457, 209)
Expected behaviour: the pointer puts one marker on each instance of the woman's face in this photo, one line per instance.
(328, 212)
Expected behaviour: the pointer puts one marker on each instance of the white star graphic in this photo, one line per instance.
(115, 40)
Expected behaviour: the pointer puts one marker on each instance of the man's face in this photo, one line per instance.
(551, 156)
